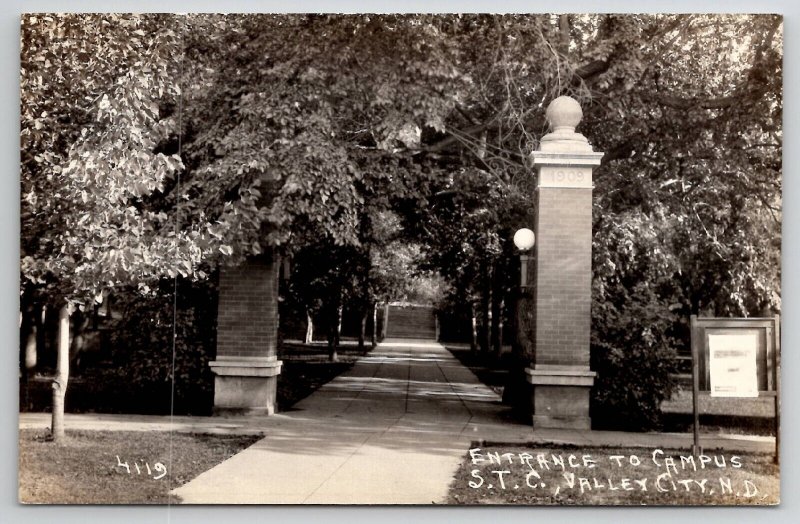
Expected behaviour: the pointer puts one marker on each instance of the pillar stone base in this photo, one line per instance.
(560, 396)
(245, 385)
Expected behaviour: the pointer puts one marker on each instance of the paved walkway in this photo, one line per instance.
(392, 430)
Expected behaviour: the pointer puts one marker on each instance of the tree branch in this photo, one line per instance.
(588, 72)
(724, 102)
(563, 34)
(592, 69)
(451, 139)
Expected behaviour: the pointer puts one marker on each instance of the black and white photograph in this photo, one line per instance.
(400, 259)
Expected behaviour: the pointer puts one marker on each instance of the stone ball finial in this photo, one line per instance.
(564, 114)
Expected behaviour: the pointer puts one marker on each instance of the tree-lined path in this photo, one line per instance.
(391, 430)
(377, 158)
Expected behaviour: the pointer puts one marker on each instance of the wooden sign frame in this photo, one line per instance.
(767, 361)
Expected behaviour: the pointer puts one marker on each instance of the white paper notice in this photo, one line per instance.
(732, 365)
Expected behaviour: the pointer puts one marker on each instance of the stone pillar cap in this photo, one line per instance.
(564, 114)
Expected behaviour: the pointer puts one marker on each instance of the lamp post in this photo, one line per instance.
(517, 393)
(524, 239)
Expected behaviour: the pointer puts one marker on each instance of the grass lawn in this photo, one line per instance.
(85, 470)
(593, 476)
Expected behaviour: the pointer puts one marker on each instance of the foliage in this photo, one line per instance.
(97, 99)
(142, 350)
(467, 233)
(634, 370)
(291, 140)
(691, 127)
(324, 278)
(300, 136)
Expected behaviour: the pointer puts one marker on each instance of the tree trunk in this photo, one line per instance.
(385, 325)
(563, 36)
(517, 391)
(28, 350)
(497, 312)
(77, 339)
(334, 334)
(333, 356)
(374, 324)
(30, 360)
(29, 333)
(363, 333)
(473, 345)
(339, 324)
(497, 326)
(482, 146)
(486, 310)
(62, 374)
(42, 342)
(31, 353)
(309, 328)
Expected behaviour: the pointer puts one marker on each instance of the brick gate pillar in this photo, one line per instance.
(560, 373)
(246, 366)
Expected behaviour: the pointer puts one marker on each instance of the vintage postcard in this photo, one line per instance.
(458, 259)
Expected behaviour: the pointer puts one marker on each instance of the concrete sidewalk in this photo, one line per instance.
(392, 430)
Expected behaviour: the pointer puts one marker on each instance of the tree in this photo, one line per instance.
(91, 125)
(104, 204)
(93, 155)
(688, 210)
(324, 278)
(467, 233)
